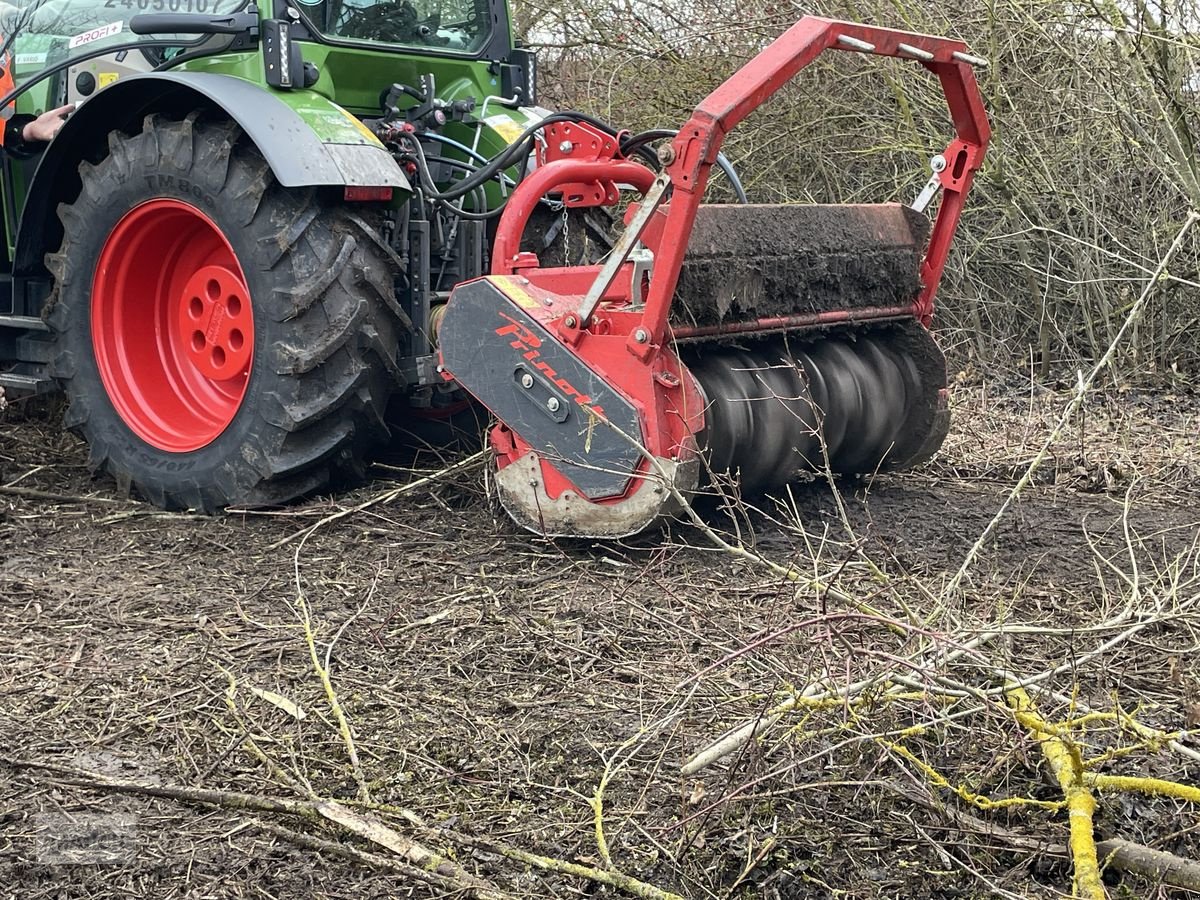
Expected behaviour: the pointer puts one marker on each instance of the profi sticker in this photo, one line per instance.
(96, 34)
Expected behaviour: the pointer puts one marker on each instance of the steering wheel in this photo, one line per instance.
(393, 23)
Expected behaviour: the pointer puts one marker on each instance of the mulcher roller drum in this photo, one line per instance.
(853, 399)
(751, 262)
(780, 409)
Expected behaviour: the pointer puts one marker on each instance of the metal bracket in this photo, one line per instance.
(538, 391)
(643, 267)
(938, 165)
(623, 248)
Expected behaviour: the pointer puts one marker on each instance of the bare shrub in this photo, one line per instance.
(1091, 170)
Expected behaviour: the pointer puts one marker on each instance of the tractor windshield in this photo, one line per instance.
(60, 43)
(453, 26)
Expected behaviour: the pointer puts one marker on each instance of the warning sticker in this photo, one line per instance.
(505, 127)
(104, 79)
(95, 34)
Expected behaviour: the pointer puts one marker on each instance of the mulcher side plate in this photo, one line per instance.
(538, 387)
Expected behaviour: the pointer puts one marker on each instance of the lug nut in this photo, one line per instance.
(527, 381)
(641, 336)
(552, 404)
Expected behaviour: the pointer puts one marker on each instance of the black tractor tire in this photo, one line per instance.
(325, 320)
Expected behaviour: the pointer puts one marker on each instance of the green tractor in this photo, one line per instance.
(269, 239)
(218, 151)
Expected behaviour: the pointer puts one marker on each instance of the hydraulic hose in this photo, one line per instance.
(639, 141)
(518, 149)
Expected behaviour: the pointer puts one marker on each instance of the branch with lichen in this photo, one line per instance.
(331, 696)
(1066, 764)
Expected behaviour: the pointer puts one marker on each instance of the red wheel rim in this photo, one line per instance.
(172, 326)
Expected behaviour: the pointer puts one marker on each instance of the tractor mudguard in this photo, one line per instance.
(320, 145)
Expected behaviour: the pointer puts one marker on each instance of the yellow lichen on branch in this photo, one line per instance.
(335, 706)
(1141, 785)
(937, 779)
(1065, 762)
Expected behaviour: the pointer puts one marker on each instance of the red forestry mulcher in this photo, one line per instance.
(760, 342)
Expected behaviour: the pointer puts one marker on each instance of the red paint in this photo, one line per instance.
(359, 194)
(547, 179)
(670, 407)
(796, 322)
(172, 325)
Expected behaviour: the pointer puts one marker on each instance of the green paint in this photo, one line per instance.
(351, 81)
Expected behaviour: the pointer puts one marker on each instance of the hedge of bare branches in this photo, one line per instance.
(1091, 171)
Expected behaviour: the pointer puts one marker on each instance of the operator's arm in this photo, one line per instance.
(25, 135)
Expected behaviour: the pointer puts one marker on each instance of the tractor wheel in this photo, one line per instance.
(222, 340)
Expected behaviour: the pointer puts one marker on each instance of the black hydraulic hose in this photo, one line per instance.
(518, 149)
(474, 216)
(643, 138)
(457, 145)
(639, 141)
(478, 176)
(626, 150)
(470, 214)
(458, 210)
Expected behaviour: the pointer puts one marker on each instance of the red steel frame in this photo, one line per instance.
(694, 151)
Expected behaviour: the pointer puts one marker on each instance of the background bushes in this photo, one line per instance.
(1091, 171)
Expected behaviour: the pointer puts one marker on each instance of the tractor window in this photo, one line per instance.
(454, 26)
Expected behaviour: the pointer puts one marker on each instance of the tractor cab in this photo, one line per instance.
(453, 26)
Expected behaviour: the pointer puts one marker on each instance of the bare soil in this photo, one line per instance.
(489, 676)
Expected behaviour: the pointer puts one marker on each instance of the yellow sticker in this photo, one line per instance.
(516, 292)
(106, 78)
(363, 129)
(505, 127)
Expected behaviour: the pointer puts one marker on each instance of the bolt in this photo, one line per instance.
(566, 147)
(666, 154)
(527, 381)
(570, 321)
(938, 163)
(552, 404)
(641, 336)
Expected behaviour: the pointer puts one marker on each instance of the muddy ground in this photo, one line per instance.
(490, 676)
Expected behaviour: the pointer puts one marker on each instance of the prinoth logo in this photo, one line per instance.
(527, 343)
